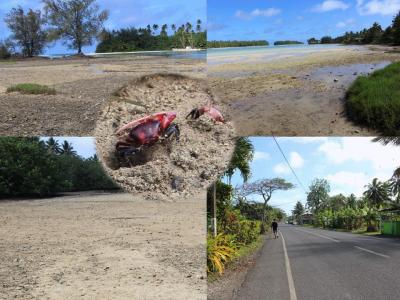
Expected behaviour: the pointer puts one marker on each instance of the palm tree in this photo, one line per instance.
(155, 28)
(173, 27)
(53, 146)
(394, 184)
(198, 25)
(241, 158)
(67, 149)
(377, 193)
(164, 30)
(386, 140)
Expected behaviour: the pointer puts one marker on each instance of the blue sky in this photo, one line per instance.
(347, 163)
(124, 13)
(292, 19)
(84, 146)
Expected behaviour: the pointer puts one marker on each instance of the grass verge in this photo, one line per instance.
(31, 88)
(374, 100)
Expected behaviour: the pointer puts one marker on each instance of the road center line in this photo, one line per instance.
(292, 289)
(372, 252)
(320, 235)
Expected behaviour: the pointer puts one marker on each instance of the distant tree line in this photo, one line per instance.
(373, 35)
(153, 37)
(33, 167)
(76, 23)
(225, 44)
(278, 43)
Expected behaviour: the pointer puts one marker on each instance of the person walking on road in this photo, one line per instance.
(274, 226)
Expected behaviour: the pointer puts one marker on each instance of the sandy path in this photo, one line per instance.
(82, 85)
(292, 96)
(103, 246)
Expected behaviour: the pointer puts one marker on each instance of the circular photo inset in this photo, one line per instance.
(163, 136)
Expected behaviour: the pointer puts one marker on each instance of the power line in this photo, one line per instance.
(287, 161)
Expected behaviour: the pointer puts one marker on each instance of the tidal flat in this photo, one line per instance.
(295, 90)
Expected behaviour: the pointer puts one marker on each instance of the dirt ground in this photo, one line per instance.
(102, 246)
(295, 96)
(171, 168)
(82, 85)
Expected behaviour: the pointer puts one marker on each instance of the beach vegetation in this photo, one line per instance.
(27, 30)
(32, 167)
(373, 35)
(153, 37)
(77, 22)
(374, 100)
(31, 88)
(235, 43)
(279, 43)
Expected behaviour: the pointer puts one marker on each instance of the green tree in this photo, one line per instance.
(77, 22)
(67, 149)
(394, 184)
(27, 30)
(351, 201)
(312, 41)
(377, 193)
(264, 188)
(53, 146)
(318, 195)
(395, 30)
(241, 158)
(298, 212)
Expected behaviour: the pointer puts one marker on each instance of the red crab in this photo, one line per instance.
(208, 109)
(145, 132)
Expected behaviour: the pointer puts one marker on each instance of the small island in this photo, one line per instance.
(227, 44)
(280, 43)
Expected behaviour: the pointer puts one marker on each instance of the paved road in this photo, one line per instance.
(324, 265)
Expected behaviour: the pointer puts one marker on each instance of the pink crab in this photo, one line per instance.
(208, 109)
(146, 132)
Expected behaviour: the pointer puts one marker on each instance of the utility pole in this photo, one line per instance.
(214, 219)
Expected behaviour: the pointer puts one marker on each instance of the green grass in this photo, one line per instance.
(31, 88)
(374, 100)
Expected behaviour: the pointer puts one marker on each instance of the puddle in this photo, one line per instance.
(346, 74)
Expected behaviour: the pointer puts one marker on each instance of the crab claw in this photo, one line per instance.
(211, 111)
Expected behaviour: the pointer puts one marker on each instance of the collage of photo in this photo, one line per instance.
(205, 149)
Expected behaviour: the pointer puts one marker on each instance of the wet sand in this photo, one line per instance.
(103, 246)
(82, 86)
(295, 95)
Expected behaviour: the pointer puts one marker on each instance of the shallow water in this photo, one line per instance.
(344, 75)
(266, 53)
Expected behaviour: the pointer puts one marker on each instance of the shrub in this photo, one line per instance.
(31, 88)
(220, 250)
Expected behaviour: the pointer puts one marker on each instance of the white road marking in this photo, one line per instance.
(372, 252)
(320, 235)
(292, 289)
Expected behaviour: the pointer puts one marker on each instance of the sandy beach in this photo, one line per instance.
(102, 246)
(82, 86)
(293, 92)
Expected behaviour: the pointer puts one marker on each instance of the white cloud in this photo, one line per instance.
(269, 12)
(295, 160)
(374, 7)
(260, 155)
(330, 5)
(345, 23)
(361, 149)
(355, 181)
(304, 140)
(281, 168)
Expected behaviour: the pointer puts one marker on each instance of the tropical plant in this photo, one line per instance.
(377, 193)
(53, 146)
(318, 195)
(298, 212)
(67, 149)
(220, 250)
(241, 158)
